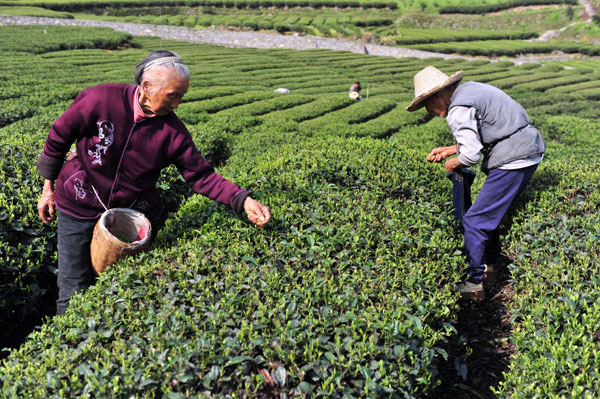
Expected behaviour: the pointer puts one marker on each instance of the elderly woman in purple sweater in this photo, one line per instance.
(125, 135)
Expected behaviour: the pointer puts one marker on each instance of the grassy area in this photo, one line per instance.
(582, 32)
(34, 12)
(528, 20)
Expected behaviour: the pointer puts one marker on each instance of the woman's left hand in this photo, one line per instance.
(258, 213)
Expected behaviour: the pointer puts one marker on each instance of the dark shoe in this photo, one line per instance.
(499, 260)
(472, 291)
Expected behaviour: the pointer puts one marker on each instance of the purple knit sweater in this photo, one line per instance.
(121, 159)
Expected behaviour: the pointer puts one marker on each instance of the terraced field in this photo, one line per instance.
(492, 28)
(351, 290)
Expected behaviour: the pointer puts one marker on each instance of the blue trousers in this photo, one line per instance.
(481, 221)
(75, 272)
(462, 179)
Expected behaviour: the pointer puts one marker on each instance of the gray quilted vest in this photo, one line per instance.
(503, 124)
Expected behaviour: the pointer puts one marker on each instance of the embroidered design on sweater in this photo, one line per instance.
(79, 190)
(106, 135)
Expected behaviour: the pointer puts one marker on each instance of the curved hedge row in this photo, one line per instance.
(69, 5)
(571, 88)
(418, 36)
(498, 48)
(356, 113)
(546, 84)
(43, 39)
(34, 12)
(500, 6)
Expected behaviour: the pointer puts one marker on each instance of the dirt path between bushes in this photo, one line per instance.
(485, 328)
(590, 10)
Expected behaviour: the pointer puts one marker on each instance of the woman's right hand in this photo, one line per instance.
(257, 213)
(46, 203)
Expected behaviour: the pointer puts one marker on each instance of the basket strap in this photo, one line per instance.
(97, 196)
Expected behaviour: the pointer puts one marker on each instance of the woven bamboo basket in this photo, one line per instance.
(118, 233)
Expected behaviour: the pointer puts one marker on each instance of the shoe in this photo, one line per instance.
(499, 260)
(472, 291)
(490, 276)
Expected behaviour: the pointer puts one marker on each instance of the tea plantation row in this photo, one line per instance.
(384, 23)
(351, 290)
(322, 24)
(69, 5)
(498, 48)
(499, 6)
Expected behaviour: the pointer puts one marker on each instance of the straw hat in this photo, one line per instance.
(429, 81)
(353, 95)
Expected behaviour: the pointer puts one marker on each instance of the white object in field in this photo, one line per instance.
(353, 95)
(282, 90)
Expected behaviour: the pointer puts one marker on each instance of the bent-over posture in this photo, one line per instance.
(486, 122)
(124, 136)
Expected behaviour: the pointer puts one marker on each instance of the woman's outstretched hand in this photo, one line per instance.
(258, 213)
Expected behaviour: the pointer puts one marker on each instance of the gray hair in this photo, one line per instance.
(161, 59)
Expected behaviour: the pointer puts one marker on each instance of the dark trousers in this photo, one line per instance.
(75, 272)
(481, 221)
(462, 179)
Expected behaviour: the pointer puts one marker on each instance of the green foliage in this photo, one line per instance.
(351, 289)
(497, 48)
(554, 240)
(487, 8)
(416, 36)
(27, 247)
(69, 5)
(34, 12)
(43, 39)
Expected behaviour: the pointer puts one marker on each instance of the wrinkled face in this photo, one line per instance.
(438, 103)
(162, 91)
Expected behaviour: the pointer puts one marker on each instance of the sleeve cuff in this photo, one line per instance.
(48, 167)
(469, 161)
(237, 204)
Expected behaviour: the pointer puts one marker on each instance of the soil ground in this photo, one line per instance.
(485, 328)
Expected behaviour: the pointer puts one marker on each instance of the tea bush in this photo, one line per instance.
(43, 39)
(351, 289)
(555, 242)
(34, 12)
(573, 88)
(416, 36)
(27, 248)
(498, 48)
(70, 5)
(499, 6)
(546, 84)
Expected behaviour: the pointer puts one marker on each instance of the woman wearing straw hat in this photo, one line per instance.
(484, 121)
(125, 135)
